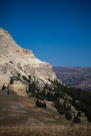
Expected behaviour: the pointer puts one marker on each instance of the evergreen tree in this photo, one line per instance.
(79, 113)
(11, 80)
(89, 114)
(8, 92)
(76, 119)
(3, 87)
(40, 104)
(68, 116)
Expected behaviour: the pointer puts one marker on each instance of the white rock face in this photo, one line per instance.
(14, 59)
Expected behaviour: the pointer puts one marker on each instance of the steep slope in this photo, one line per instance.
(74, 76)
(15, 60)
(19, 111)
(16, 110)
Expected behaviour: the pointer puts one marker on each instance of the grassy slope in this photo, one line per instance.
(20, 117)
(16, 110)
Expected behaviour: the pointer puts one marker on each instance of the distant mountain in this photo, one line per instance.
(74, 76)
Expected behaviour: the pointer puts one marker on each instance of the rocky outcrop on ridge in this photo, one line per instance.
(14, 60)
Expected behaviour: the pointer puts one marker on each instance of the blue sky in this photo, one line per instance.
(58, 31)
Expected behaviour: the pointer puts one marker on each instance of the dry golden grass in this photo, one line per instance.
(45, 131)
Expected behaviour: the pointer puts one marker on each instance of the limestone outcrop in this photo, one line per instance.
(14, 60)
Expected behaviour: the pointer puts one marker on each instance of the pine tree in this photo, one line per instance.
(8, 92)
(68, 116)
(3, 87)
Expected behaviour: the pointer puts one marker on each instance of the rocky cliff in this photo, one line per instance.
(14, 60)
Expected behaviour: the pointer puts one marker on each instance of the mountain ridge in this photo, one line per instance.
(79, 77)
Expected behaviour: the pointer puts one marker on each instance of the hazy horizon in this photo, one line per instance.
(57, 31)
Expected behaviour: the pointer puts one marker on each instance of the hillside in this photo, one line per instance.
(64, 112)
(20, 117)
(22, 111)
(32, 96)
(52, 104)
(74, 76)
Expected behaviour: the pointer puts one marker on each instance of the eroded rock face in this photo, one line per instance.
(19, 66)
(14, 59)
(27, 51)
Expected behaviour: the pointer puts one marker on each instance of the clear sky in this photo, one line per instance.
(58, 31)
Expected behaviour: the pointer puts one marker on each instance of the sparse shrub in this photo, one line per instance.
(11, 62)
